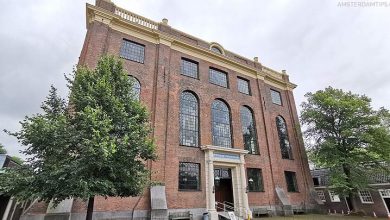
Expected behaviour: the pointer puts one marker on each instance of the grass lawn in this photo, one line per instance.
(317, 217)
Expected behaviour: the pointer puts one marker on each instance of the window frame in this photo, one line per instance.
(220, 71)
(257, 147)
(294, 179)
(322, 196)
(286, 136)
(230, 124)
(136, 82)
(136, 43)
(366, 196)
(248, 84)
(199, 186)
(198, 120)
(333, 195)
(261, 183)
(280, 97)
(189, 61)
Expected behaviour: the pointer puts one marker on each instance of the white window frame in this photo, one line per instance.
(334, 197)
(366, 196)
(321, 195)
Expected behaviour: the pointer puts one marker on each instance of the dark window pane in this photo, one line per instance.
(189, 68)
(218, 78)
(243, 86)
(189, 176)
(291, 181)
(284, 143)
(249, 130)
(132, 51)
(136, 87)
(221, 124)
(189, 119)
(276, 98)
(255, 180)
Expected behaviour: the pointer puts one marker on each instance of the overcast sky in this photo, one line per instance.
(319, 43)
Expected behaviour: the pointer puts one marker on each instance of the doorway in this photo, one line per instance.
(385, 194)
(223, 189)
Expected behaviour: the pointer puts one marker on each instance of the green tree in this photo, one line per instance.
(2, 149)
(346, 135)
(98, 145)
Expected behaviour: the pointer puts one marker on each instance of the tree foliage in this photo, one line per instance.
(345, 134)
(96, 145)
(2, 149)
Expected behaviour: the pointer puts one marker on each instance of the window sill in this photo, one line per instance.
(190, 190)
(189, 76)
(226, 87)
(189, 146)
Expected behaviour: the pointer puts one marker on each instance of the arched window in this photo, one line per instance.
(216, 49)
(189, 119)
(285, 146)
(249, 133)
(136, 87)
(221, 124)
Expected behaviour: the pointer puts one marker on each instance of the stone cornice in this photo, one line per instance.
(155, 36)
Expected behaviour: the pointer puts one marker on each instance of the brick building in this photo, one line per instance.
(374, 199)
(225, 126)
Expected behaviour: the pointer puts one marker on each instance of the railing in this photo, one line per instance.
(272, 72)
(137, 19)
(224, 206)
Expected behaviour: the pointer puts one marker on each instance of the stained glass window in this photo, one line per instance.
(132, 51)
(284, 143)
(136, 87)
(189, 68)
(218, 77)
(221, 124)
(189, 119)
(243, 86)
(276, 98)
(189, 176)
(249, 130)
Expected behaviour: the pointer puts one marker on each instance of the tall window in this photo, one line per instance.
(249, 133)
(132, 51)
(221, 124)
(291, 181)
(189, 68)
(136, 87)
(243, 86)
(285, 146)
(218, 77)
(276, 98)
(189, 176)
(189, 119)
(255, 180)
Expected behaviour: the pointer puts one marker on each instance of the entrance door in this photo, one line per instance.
(385, 194)
(223, 189)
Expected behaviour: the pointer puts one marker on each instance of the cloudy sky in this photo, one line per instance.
(319, 43)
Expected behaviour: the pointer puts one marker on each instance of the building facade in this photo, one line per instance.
(373, 201)
(225, 126)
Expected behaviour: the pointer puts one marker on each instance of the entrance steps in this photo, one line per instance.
(225, 215)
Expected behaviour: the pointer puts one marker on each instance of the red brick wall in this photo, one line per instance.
(161, 86)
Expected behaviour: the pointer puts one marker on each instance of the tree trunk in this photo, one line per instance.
(91, 201)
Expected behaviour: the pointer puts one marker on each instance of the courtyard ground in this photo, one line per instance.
(319, 217)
